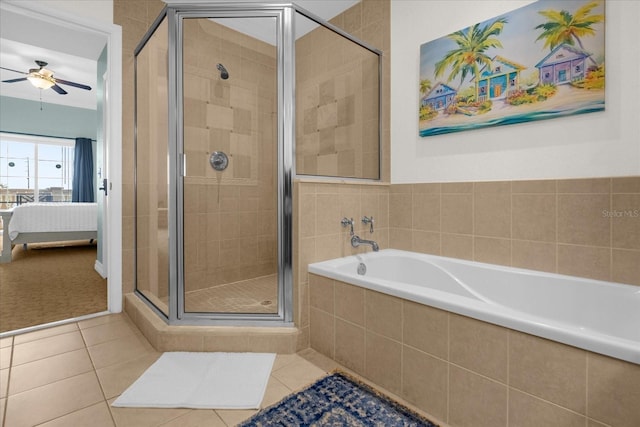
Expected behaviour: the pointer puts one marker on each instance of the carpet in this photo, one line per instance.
(50, 282)
(201, 381)
(337, 400)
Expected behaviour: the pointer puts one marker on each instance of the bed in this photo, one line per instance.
(48, 222)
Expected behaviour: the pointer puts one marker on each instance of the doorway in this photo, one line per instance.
(25, 19)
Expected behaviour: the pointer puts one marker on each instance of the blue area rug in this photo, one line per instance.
(337, 400)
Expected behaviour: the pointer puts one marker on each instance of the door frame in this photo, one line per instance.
(113, 128)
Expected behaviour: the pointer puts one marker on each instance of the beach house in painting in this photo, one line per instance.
(563, 64)
(439, 97)
(498, 79)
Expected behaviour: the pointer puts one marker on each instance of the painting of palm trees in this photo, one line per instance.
(542, 61)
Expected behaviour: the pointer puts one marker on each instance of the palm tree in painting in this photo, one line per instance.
(425, 86)
(470, 53)
(563, 27)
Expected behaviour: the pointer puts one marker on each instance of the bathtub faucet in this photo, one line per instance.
(357, 241)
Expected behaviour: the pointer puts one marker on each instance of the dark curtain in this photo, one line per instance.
(82, 190)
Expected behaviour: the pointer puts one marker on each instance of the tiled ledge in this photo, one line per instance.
(165, 337)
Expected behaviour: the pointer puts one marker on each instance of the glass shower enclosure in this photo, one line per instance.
(214, 155)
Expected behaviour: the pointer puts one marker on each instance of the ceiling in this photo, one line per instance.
(72, 55)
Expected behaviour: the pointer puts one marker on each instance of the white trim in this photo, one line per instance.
(98, 267)
(113, 36)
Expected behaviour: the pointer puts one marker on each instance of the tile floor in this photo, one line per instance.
(68, 376)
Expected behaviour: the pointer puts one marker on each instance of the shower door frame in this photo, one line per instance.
(175, 14)
(285, 74)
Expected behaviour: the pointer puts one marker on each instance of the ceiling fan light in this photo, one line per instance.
(40, 82)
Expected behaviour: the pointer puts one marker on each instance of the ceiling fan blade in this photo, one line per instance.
(78, 85)
(15, 71)
(21, 79)
(59, 89)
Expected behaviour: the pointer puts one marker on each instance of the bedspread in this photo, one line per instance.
(53, 217)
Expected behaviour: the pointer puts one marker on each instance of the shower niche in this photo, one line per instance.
(216, 127)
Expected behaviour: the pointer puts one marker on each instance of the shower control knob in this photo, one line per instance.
(219, 161)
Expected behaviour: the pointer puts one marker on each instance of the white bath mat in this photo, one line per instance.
(201, 381)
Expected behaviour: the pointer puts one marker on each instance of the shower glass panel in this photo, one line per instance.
(337, 104)
(151, 163)
(230, 183)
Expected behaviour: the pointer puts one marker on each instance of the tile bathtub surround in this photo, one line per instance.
(467, 372)
(580, 227)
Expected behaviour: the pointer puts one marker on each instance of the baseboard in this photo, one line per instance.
(98, 267)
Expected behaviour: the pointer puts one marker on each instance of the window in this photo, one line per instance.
(35, 169)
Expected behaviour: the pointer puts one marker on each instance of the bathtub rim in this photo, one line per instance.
(562, 332)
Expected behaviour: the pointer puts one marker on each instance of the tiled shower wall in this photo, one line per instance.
(337, 107)
(230, 216)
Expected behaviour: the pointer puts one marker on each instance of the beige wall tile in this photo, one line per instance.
(426, 211)
(383, 314)
(425, 382)
(533, 255)
(528, 411)
(456, 213)
(475, 401)
(400, 238)
(534, 186)
(349, 302)
(456, 187)
(322, 332)
(425, 328)
(321, 294)
(626, 185)
(490, 250)
(492, 214)
(581, 220)
(625, 219)
(400, 215)
(383, 360)
(329, 247)
(350, 345)
(426, 242)
(456, 246)
(534, 217)
(478, 346)
(614, 391)
(549, 370)
(585, 261)
(625, 266)
(590, 185)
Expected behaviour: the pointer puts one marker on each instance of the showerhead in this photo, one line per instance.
(224, 74)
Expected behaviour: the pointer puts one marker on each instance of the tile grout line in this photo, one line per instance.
(95, 372)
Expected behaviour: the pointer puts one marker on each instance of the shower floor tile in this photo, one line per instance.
(259, 295)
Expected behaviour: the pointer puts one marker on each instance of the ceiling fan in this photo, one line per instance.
(43, 79)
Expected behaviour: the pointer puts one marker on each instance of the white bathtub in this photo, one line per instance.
(602, 317)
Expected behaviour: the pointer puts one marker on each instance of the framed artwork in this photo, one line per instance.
(541, 61)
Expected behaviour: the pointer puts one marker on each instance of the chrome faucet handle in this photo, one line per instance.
(348, 222)
(368, 220)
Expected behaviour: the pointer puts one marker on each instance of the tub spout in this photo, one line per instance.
(357, 241)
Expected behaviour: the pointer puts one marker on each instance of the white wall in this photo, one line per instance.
(589, 145)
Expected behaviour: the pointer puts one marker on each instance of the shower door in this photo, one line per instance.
(228, 140)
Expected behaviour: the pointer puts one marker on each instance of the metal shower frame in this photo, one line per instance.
(175, 12)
